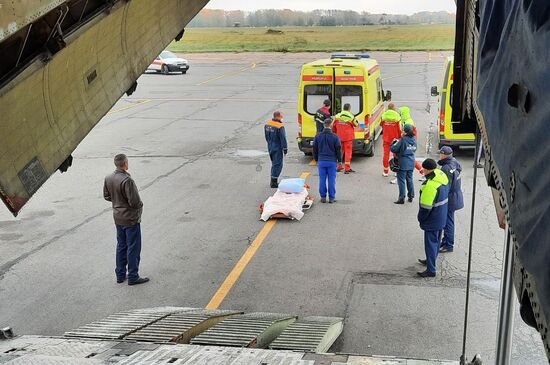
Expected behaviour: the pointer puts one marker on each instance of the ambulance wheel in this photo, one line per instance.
(370, 151)
(308, 153)
(164, 69)
(184, 72)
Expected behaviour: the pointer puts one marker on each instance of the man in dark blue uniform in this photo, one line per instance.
(432, 214)
(327, 151)
(452, 168)
(276, 145)
(322, 114)
(405, 149)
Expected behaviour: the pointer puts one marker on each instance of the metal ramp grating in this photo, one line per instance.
(119, 325)
(309, 334)
(248, 330)
(180, 327)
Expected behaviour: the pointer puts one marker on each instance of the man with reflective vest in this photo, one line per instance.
(391, 130)
(452, 168)
(322, 114)
(276, 145)
(405, 112)
(344, 126)
(432, 214)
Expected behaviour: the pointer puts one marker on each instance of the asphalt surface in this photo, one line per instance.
(198, 155)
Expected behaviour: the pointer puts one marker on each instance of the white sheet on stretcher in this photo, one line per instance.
(287, 204)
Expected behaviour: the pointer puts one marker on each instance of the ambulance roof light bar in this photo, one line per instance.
(349, 56)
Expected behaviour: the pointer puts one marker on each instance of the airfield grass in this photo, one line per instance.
(309, 39)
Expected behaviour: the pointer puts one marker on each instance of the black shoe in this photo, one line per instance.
(410, 200)
(351, 170)
(445, 249)
(120, 281)
(274, 184)
(346, 172)
(399, 201)
(323, 200)
(332, 201)
(426, 274)
(138, 281)
(423, 262)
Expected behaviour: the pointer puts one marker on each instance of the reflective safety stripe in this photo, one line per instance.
(429, 207)
(391, 116)
(345, 116)
(443, 202)
(274, 124)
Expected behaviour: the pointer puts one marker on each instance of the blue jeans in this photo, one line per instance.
(276, 163)
(128, 251)
(327, 169)
(431, 247)
(405, 177)
(449, 231)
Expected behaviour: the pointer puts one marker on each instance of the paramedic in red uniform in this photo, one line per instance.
(391, 127)
(344, 127)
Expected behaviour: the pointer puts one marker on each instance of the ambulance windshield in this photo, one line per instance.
(349, 94)
(314, 95)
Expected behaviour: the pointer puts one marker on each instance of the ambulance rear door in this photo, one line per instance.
(316, 85)
(350, 88)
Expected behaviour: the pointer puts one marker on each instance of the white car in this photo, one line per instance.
(167, 62)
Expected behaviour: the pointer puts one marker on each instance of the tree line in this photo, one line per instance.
(286, 17)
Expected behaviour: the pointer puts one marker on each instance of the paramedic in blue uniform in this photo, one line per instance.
(405, 150)
(322, 114)
(452, 168)
(276, 145)
(327, 152)
(432, 214)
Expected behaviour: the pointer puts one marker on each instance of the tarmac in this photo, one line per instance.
(198, 154)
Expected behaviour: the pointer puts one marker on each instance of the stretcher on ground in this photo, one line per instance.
(283, 205)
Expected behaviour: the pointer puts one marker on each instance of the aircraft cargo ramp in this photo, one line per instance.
(162, 336)
(64, 64)
(216, 328)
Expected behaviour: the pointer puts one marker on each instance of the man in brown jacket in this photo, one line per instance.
(121, 190)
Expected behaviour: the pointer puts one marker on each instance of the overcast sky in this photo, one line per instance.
(372, 6)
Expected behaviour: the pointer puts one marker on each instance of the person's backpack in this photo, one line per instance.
(394, 164)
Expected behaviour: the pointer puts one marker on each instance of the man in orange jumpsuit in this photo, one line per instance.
(391, 127)
(344, 126)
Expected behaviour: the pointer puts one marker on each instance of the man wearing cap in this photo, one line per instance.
(327, 151)
(432, 213)
(452, 168)
(405, 149)
(321, 115)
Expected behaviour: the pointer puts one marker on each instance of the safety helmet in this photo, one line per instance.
(394, 164)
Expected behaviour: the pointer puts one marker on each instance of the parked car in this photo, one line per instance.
(167, 62)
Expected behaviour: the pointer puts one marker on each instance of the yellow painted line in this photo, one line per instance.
(250, 67)
(313, 163)
(235, 274)
(129, 106)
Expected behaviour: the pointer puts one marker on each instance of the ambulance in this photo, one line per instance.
(343, 78)
(451, 133)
